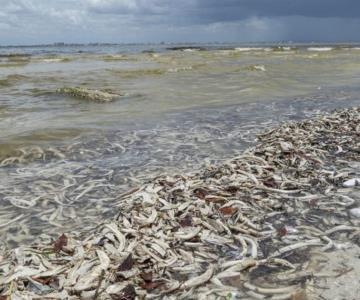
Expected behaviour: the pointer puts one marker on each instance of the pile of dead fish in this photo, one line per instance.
(244, 229)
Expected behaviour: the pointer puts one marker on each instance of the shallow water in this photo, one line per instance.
(178, 110)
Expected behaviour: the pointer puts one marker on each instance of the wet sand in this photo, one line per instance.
(341, 276)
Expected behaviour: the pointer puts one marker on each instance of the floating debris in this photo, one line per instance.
(88, 94)
(211, 234)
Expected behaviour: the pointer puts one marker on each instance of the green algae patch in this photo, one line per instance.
(88, 94)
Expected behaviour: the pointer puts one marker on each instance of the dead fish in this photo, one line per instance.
(196, 281)
(354, 212)
(351, 182)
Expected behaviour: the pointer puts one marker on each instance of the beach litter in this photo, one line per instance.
(247, 228)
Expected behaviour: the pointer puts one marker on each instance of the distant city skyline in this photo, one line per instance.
(154, 21)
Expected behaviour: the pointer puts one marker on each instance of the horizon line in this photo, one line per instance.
(64, 44)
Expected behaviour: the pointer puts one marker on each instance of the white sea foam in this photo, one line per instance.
(175, 70)
(320, 49)
(51, 60)
(312, 56)
(350, 48)
(260, 68)
(249, 49)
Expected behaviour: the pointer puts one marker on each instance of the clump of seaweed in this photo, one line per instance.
(198, 236)
(88, 94)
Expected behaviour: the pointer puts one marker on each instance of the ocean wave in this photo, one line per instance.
(257, 68)
(14, 60)
(11, 80)
(247, 49)
(176, 70)
(136, 73)
(320, 49)
(55, 60)
(283, 48)
(118, 57)
(13, 55)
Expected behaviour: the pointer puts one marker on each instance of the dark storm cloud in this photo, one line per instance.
(226, 10)
(232, 10)
(37, 21)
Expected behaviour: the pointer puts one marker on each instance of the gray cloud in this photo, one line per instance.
(125, 7)
(236, 9)
(42, 21)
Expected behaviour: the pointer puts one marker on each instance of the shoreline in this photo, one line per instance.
(246, 228)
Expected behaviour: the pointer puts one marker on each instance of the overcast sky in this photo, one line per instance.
(123, 21)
